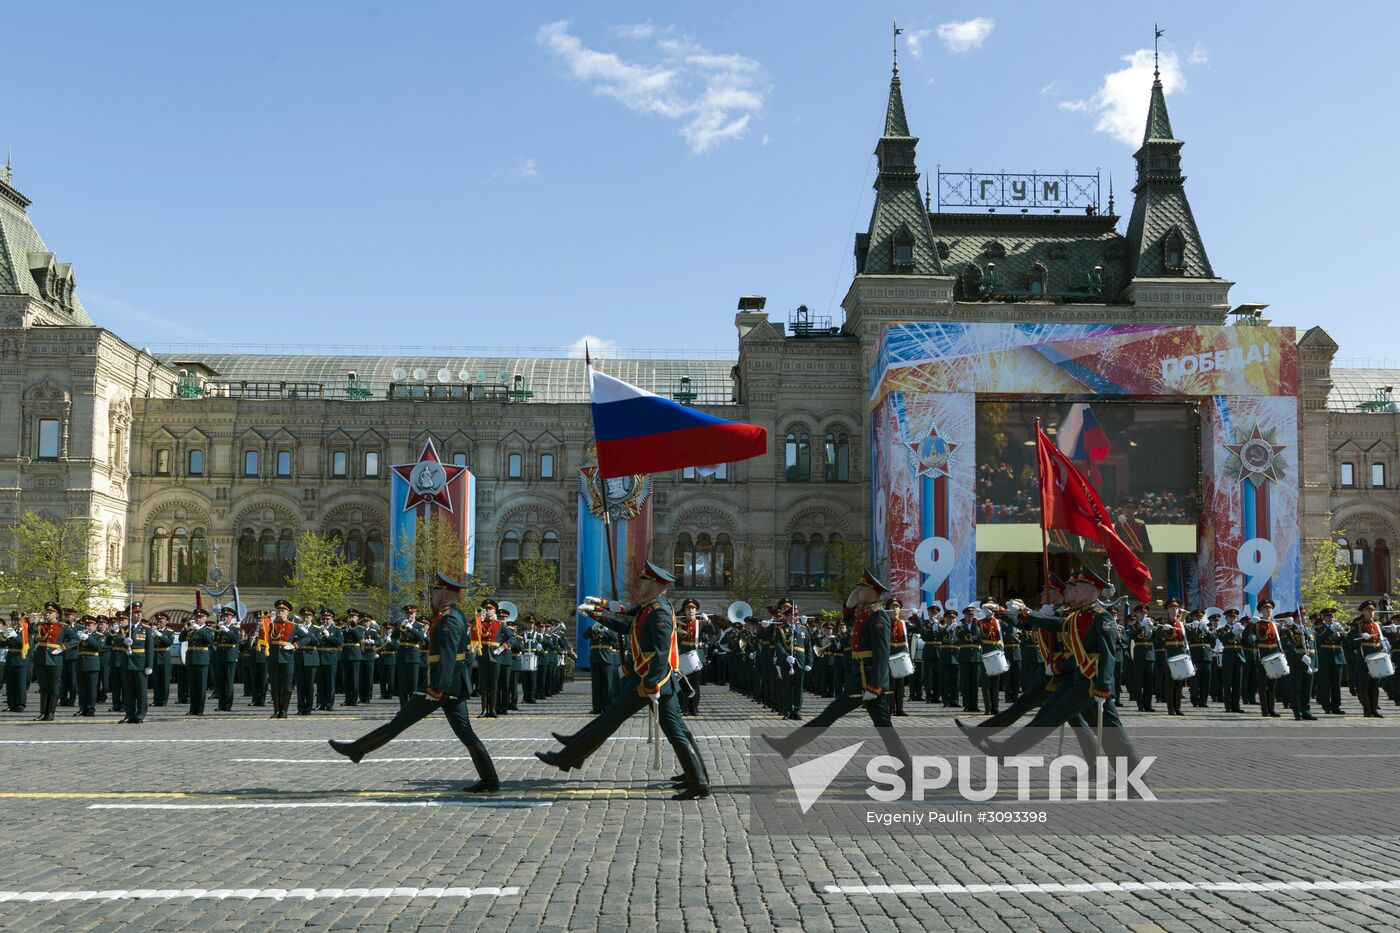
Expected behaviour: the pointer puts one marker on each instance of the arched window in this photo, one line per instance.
(530, 546)
(546, 466)
(836, 457)
(816, 562)
(1035, 282)
(703, 560)
(723, 562)
(797, 457)
(163, 461)
(510, 556)
(250, 463)
(549, 550)
(340, 461)
(284, 463)
(160, 555)
(267, 557)
(196, 463)
(180, 556)
(199, 557)
(515, 465)
(286, 558)
(684, 560)
(355, 548)
(247, 556)
(459, 459)
(374, 557)
(797, 563)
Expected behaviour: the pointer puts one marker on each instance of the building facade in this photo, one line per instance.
(195, 462)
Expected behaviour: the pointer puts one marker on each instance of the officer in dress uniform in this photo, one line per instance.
(651, 658)
(1198, 644)
(161, 664)
(307, 639)
(410, 656)
(969, 646)
(792, 646)
(1174, 638)
(990, 637)
(447, 689)
(72, 630)
(899, 644)
(134, 661)
(389, 661)
(929, 632)
(1327, 680)
(488, 664)
(255, 666)
(281, 658)
(89, 666)
(869, 681)
(1267, 642)
(199, 660)
(351, 655)
(1161, 677)
(602, 647)
(508, 677)
(1231, 637)
(359, 681)
(228, 637)
(1300, 647)
(16, 641)
(1367, 639)
(1140, 631)
(326, 678)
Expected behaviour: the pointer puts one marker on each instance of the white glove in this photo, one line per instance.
(148, 672)
(867, 695)
(55, 651)
(807, 668)
(126, 641)
(654, 699)
(496, 651)
(791, 659)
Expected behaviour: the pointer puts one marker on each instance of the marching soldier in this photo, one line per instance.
(306, 638)
(602, 648)
(651, 662)
(134, 660)
(448, 689)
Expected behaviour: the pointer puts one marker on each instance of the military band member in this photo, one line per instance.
(1300, 646)
(1144, 656)
(351, 654)
(508, 672)
(89, 666)
(281, 658)
(17, 640)
(447, 689)
(792, 647)
(48, 661)
(931, 688)
(255, 668)
(489, 668)
(651, 659)
(991, 640)
(1367, 639)
(1174, 644)
(361, 680)
(1267, 642)
(306, 638)
(602, 671)
(134, 660)
(969, 647)
(72, 631)
(199, 659)
(899, 644)
(330, 639)
(1231, 637)
(410, 660)
(228, 637)
(688, 633)
(389, 661)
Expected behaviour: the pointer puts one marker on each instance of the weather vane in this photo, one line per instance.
(894, 44)
(1157, 35)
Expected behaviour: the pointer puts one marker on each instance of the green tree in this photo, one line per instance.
(51, 559)
(846, 562)
(1327, 577)
(323, 577)
(751, 580)
(434, 547)
(537, 581)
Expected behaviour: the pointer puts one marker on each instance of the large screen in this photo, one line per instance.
(1142, 457)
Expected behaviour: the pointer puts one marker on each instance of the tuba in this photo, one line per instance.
(506, 611)
(739, 611)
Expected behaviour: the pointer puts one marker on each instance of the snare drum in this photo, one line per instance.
(529, 661)
(1379, 665)
(690, 662)
(1275, 665)
(901, 665)
(1180, 667)
(995, 663)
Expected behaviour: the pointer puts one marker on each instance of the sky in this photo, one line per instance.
(377, 174)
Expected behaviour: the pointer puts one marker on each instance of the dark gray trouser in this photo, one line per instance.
(419, 706)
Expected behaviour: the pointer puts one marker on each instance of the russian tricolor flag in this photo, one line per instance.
(641, 432)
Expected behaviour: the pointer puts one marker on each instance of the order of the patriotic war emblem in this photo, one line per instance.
(1256, 456)
(626, 494)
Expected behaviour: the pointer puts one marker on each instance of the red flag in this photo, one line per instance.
(1069, 503)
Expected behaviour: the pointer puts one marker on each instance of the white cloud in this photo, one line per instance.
(596, 347)
(716, 96)
(636, 30)
(1199, 55)
(968, 35)
(1120, 104)
(1050, 88)
(528, 169)
(914, 38)
(765, 140)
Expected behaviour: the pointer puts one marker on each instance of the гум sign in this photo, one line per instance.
(1173, 368)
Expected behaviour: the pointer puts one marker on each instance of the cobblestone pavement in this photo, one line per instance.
(238, 822)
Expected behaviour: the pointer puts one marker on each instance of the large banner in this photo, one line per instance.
(926, 379)
(629, 509)
(421, 488)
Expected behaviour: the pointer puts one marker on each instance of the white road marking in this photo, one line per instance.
(489, 739)
(1117, 887)
(251, 894)
(329, 804)
(371, 761)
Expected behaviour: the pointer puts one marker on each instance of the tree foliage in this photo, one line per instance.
(846, 562)
(1328, 576)
(751, 579)
(323, 577)
(436, 547)
(537, 581)
(51, 559)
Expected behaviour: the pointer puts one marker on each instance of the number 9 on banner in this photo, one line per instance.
(1256, 560)
(934, 558)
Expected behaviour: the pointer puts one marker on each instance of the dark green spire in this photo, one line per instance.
(896, 124)
(1159, 125)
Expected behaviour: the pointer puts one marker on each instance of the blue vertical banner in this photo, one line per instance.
(629, 506)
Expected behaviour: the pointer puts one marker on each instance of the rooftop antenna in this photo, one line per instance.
(1110, 195)
(1157, 35)
(8, 174)
(894, 45)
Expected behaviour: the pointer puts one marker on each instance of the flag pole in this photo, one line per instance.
(603, 488)
(1044, 535)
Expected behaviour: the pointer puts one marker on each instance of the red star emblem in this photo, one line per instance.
(429, 480)
(933, 455)
(1258, 457)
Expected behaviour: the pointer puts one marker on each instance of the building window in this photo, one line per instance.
(688, 474)
(1035, 284)
(48, 438)
(372, 463)
(163, 462)
(179, 555)
(549, 550)
(250, 463)
(797, 457)
(546, 466)
(339, 461)
(1347, 475)
(1378, 475)
(510, 556)
(459, 460)
(267, 558)
(284, 463)
(515, 465)
(704, 562)
(836, 459)
(196, 463)
(374, 558)
(903, 254)
(721, 473)
(797, 563)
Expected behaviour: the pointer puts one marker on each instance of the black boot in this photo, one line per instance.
(361, 747)
(556, 759)
(697, 786)
(487, 781)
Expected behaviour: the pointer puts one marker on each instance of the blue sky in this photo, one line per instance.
(386, 174)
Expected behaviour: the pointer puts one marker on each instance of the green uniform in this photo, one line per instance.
(133, 660)
(161, 666)
(199, 659)
(89, 667)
